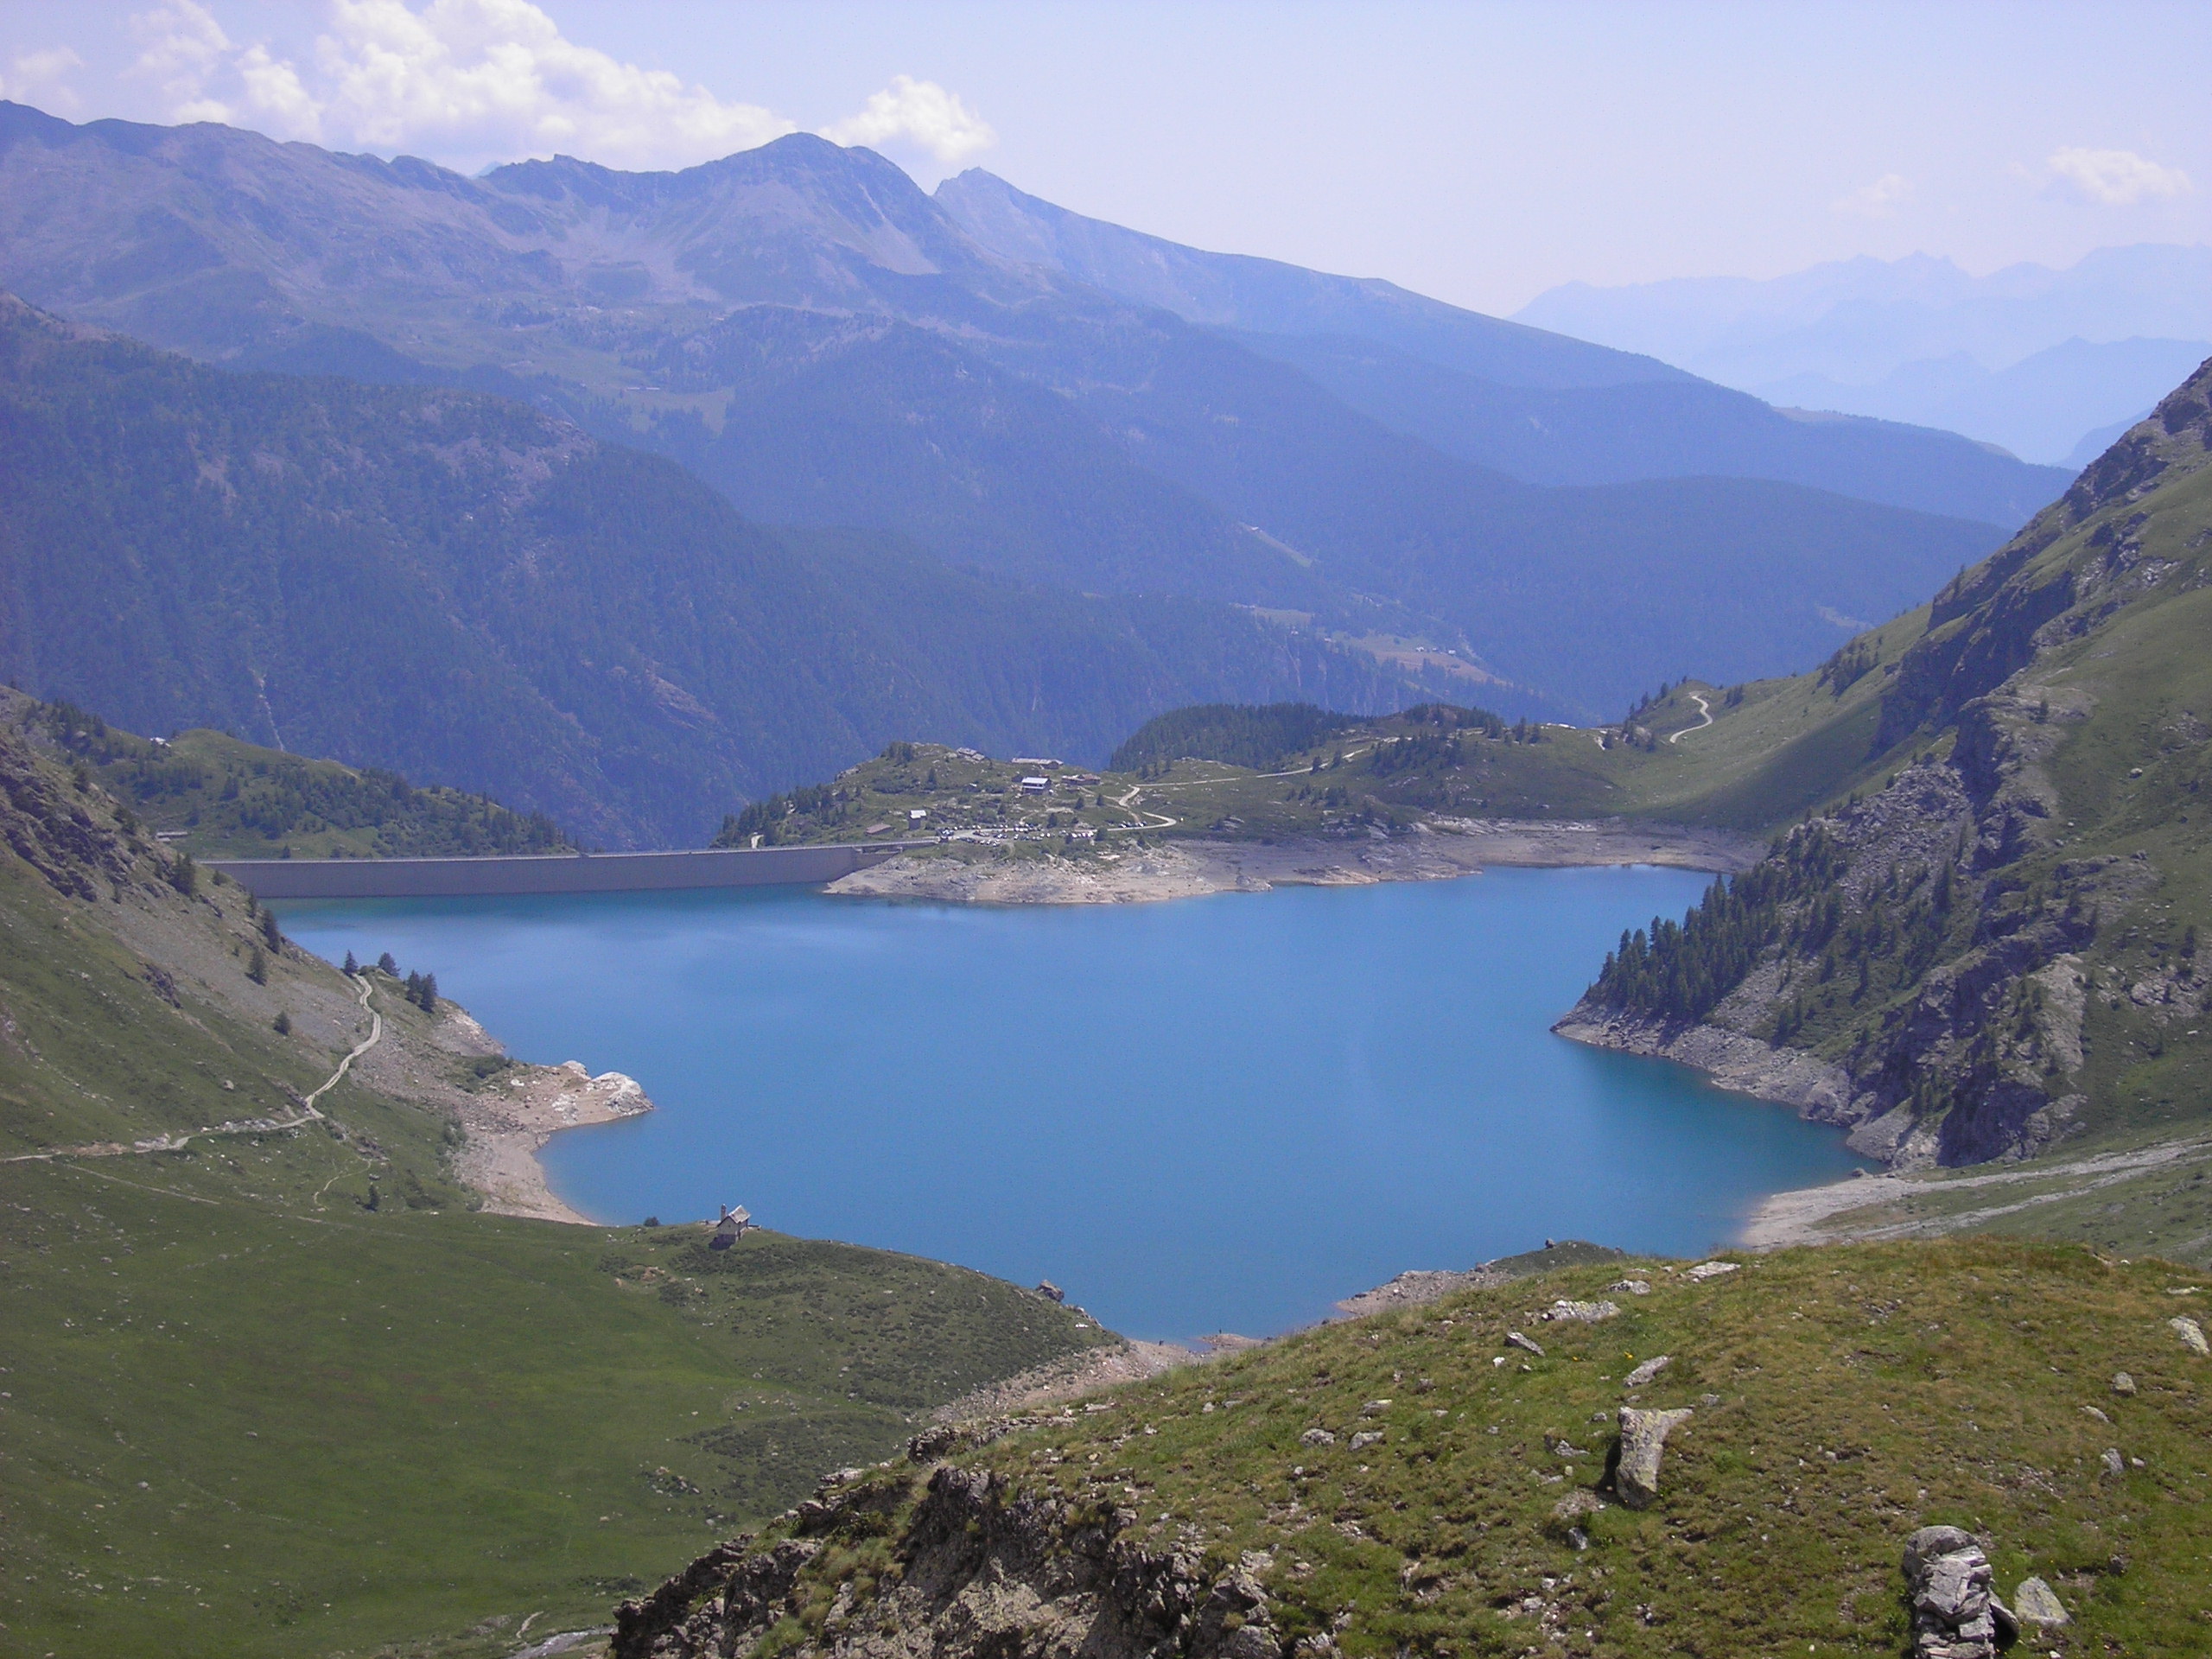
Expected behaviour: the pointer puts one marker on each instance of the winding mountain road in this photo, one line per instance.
(1127, 801)
(1704, 710)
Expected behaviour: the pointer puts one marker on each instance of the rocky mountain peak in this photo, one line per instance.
(2173, 442)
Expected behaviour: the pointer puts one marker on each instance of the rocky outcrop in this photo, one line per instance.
(981, 1572)
(1644, 1373)
(1973, 1056)
(1955, 1613)
(1733, 1060)
(1419, 1286)
(1644, 1438)
(1577, 1313)
(2034, 1603)
(60, 828)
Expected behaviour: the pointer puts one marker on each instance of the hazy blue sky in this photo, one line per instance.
(1478, 152)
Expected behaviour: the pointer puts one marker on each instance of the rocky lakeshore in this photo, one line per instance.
(1438, 850)
(508, 1118)
(508, 1126)
(1731, 1060)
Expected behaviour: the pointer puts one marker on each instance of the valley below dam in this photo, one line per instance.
(1218, 1115)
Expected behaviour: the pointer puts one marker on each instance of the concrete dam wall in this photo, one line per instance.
(459, 878)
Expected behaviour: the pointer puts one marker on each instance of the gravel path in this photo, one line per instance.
(304, 1113)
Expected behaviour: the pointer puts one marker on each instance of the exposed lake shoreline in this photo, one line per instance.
(1382, 1057)
(502, 1161)
(1193, 868)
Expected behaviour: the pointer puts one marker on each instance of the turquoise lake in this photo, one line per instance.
(1216, 1114)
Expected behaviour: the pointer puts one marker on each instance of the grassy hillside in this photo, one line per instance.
(1989, 925)
(1415, 1483)
(1749, 758)
(213, 796)
(1432, 761)
(282, 1389)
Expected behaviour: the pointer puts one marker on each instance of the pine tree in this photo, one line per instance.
(257, 967)
(429, 994)
(283, 1026)
(184, 874)
(386, 964)
(269, 931)
(351, 966)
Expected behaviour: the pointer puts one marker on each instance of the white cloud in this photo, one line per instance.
(1876, 201)
(2116, 178)
(274, 91)
(181, 49)
(920, 112)
(36, 77)
(477, 82)
(493, 80)
(469, 81)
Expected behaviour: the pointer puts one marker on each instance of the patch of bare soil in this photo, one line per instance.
(1865, 1207)
(1124, 1361)
(512, 1118)
(1186, 870)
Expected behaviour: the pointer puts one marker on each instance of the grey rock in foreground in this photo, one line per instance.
(2034, 1603)
(1955, 1614)
(1644, 1373)
(1643, 1437)
(1581, 1313)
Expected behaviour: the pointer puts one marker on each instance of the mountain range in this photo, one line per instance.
(828, 347)
(1537, 406)
(465, 588)
(2052, 364)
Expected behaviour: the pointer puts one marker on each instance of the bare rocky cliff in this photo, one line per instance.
(981, 1571)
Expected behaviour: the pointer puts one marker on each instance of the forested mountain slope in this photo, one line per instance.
(825, 344)
(1154, 456)
(1992, 943)
(275, 1385)
(1267, 296)
(208, 794)
(471, 592)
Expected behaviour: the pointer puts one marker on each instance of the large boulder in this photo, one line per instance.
(1643, 1437)
(2034, 1602)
